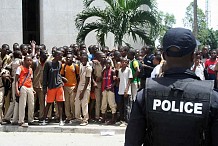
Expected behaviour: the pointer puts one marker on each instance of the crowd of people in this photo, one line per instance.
(77, 83)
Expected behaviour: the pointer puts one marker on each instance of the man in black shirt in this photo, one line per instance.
(177, 109)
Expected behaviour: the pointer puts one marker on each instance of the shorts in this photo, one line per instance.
(56, 94)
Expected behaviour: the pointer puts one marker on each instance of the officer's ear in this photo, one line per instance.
(192, 56)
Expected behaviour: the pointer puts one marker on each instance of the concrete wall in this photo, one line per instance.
(11, 22)
(57, 23)
(58, 28)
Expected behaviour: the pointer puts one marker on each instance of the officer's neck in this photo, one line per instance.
(171, 66)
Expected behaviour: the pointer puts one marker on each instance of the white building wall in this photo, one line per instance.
(11, 22)
(57, 24)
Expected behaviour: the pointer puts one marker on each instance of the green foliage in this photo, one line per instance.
(167, 21)
(205, 35)
(120, 17)
(212, 39)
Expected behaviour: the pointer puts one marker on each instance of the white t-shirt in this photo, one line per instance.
(155, 71)
(124, 78)
(199, 71)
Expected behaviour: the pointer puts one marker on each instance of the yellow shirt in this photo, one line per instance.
(70, 74)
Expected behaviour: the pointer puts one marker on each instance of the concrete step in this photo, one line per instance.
(67, 128)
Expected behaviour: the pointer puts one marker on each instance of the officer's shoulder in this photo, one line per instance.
(140, 98)
(214, 99)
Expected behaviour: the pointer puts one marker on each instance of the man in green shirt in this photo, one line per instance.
(134, 65)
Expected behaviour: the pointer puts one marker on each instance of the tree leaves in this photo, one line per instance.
(120, 17)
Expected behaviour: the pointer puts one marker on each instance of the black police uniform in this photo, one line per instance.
(176, 110)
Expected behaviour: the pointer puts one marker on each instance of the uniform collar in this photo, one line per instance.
(180, 73)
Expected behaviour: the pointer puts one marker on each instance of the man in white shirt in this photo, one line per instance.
(125, 77)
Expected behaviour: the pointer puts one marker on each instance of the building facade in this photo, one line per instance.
(49, 22)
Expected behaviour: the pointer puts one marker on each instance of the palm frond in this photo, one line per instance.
(122, 3)
(111, 3)
(141, 17)
(87, 3)
(142, 35)
(135, 4)
(88, 13)
(128, 44)
(101, 38)
(84, 31)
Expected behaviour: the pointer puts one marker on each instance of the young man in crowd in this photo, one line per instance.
(24, 89)
(83, 90)
(117, 65)
(5, 60)
(147, 65)
(210, 66)
(125, 77)
(134, 65)
(157, 62)
(70, 71)
(13, 109)
(38, 67)
(53, 85)
(108, 97)
(97, 79)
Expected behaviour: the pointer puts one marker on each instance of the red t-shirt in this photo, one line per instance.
(210, 66)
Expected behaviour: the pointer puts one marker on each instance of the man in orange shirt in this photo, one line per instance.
(24, 89)
(70, 71)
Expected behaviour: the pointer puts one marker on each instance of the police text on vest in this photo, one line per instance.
(187, 107)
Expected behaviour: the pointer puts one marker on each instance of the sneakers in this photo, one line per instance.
(23, 124)
(123, 124)
(84, 123)
(32, 123)
(5, 121)
(61, 123)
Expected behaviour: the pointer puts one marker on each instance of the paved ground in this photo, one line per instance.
(59, 139)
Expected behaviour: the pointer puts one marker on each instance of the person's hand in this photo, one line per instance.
(64, 80)
(98, 79)
(44, 92)
(75, 89)
(125, 93)
(33, 43)
(108, 88)
(144, 65)
(95, 85)
(81, 95)
(17, 93)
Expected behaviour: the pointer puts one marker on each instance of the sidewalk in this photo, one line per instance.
(67, 128)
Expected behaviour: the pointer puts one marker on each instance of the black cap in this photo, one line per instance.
(179, 38)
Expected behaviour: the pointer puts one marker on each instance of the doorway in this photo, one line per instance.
(31, 21)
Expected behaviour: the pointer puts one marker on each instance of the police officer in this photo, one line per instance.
(178, 109)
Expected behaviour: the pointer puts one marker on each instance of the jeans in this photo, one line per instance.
(125, 108)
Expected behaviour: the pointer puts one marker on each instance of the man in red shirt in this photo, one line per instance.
(210, 66)
(24, 89)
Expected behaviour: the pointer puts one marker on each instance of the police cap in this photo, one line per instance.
(180, 38)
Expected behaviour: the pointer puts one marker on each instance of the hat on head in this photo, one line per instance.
(180, 38)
